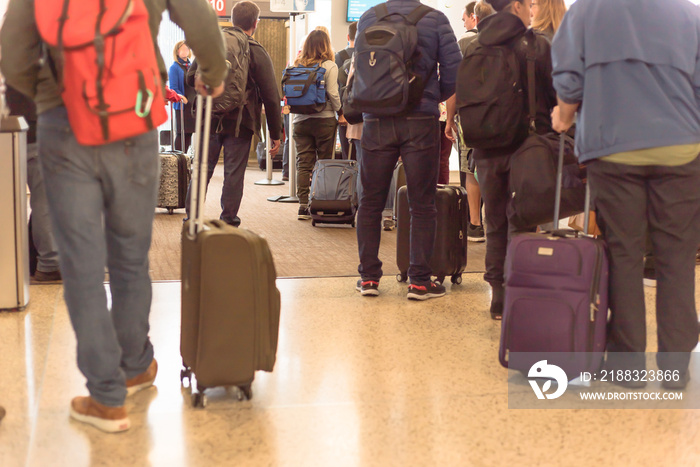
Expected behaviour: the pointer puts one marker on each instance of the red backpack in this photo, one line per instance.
(111, 84)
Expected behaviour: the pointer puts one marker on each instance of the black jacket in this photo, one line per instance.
(262, 89)
(503, 28)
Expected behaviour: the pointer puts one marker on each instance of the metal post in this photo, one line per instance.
(268, 158)
(292, 198)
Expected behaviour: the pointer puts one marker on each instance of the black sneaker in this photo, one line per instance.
(475, 233)
(497, 300)
(369, 288)
(678, 385)
(650, 277)
(424, 292)
(303, 213)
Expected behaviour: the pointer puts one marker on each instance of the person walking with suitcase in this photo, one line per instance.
(643, 168)
(395, 127)
(101, 170)
(506, 33)
(233, 129)
(315, 129)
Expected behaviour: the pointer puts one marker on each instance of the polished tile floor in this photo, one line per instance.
(359, 382)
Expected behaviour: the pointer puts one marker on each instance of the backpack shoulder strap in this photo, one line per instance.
(381, 11)
(529, 43)
(418, 14)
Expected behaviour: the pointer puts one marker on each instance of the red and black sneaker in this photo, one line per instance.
(424, 292)
(369, 288)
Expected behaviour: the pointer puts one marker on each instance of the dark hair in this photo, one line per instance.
(352, 30)
(245, 14)
(469, 9)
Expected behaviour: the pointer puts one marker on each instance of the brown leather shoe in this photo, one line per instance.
(142, 381)
(108, 419)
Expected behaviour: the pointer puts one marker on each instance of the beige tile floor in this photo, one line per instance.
(359, 382)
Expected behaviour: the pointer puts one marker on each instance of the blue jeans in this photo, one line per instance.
(416, 140)
(101, 201)
(42, 234)
(235, 162)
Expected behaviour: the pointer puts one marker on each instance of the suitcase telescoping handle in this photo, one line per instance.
(199, 165)
(563, 138)
(172, 126)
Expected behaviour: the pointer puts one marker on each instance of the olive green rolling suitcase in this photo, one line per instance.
(230, 303)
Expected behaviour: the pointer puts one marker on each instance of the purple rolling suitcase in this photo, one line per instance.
(556, 298)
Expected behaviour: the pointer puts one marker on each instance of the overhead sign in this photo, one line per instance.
(220, 7)
(292, 6)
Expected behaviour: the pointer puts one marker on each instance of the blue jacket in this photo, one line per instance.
(176, 76)
(437, 44)
(635, 66)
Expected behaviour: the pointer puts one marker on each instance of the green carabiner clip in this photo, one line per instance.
(139, 100)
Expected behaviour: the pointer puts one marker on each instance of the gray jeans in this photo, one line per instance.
(41, 223)
(102, 201)
(664, 201)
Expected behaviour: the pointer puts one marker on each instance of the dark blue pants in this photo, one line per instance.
(416, 140)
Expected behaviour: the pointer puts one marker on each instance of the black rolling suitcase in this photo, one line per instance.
(175, 167)
(450, 252)
(333, 197)
(230, 304)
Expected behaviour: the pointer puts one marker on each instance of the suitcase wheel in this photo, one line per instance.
(199, 400)
(171, 210)
(402, 277)
(246, 392)
(185, 374)
(313, 223)
(353, 224)
(457, 279)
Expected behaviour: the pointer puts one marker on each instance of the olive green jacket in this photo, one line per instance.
(24, 69)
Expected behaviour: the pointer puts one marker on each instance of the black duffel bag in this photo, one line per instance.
(533, 177)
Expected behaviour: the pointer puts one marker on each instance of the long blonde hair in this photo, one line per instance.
(549, 16)
(316, 49)
(176, 49)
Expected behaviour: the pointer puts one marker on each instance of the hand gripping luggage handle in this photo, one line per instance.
(557, 197)
(199, 167)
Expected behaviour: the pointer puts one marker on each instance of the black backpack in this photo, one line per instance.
(490, 94)
(385, 82)
(234, 96)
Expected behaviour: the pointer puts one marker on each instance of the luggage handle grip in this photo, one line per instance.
(563, 138)
(172, 127)
(199, 167)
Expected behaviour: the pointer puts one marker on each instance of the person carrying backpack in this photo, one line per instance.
(401, 120)
(237, 115)
(98, 149)
(343, 59)
(314, 130)
(496, 137)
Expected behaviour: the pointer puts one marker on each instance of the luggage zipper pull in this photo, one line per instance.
(461, 235)
(372, 60)
(594, 308)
